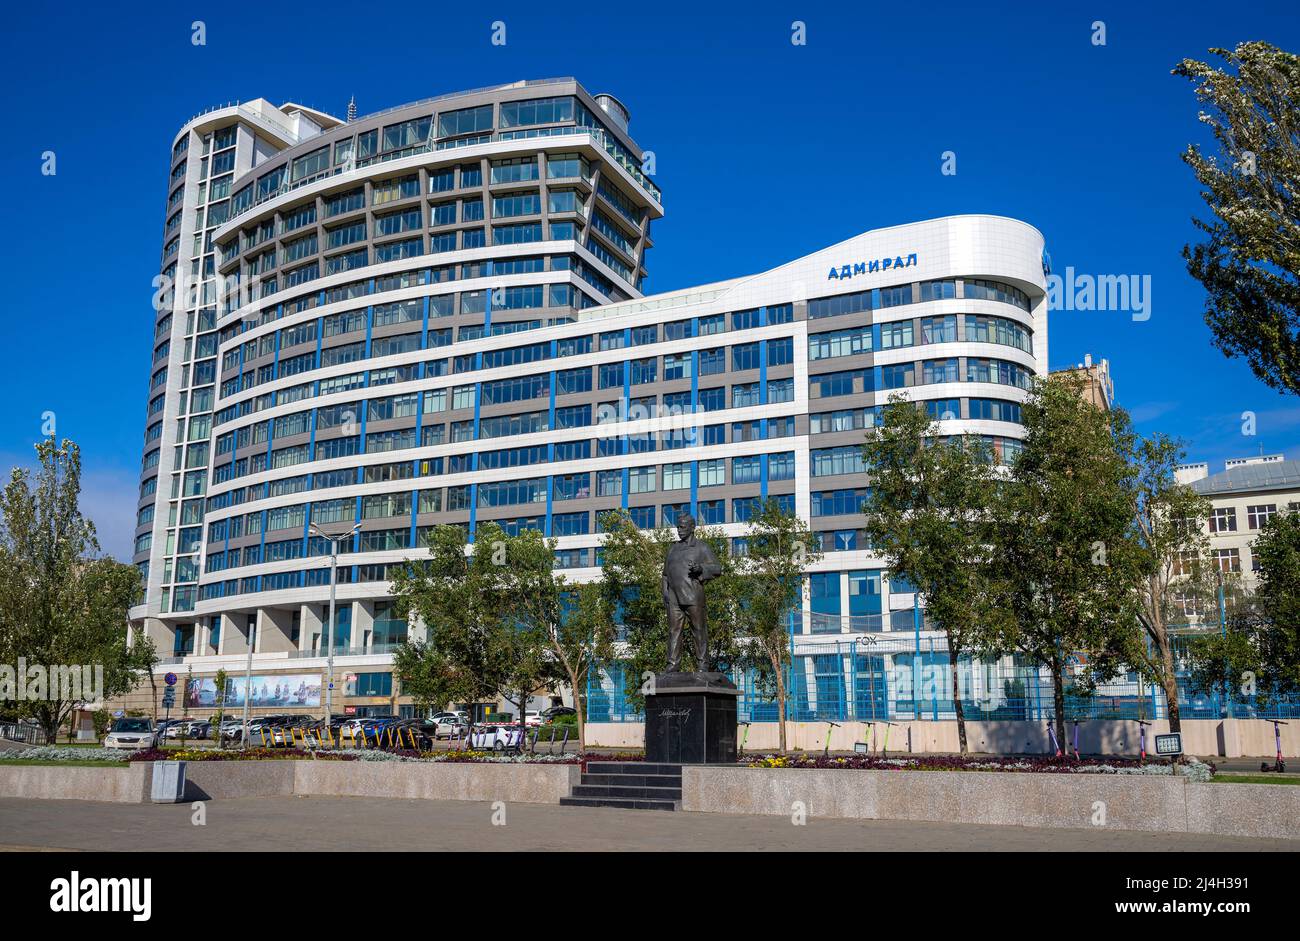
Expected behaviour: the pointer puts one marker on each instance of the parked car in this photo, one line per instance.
(450, 726)
(374, 727)
(458, 714)
(131, 734)
(497, 738)
(256, 726)
(188, 728)
(291, 731)
(532, 719)
(553, 713)
(422, 731)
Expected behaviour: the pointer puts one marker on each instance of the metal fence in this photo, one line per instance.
(895, 678)
(22, 732)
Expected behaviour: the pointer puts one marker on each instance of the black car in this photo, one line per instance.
(553, 713)
(422, 732)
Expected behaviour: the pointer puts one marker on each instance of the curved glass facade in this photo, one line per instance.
(430, 317)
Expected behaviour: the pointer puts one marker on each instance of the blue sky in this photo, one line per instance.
(765, 151)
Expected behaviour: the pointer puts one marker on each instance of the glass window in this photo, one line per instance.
(465, 121)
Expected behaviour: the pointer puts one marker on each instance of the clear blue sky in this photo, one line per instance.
(765, 151)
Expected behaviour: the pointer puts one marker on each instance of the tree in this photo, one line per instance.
(779, 549)
(928, 513)
(1250, 263)
(1165, 560)
(1259, 651)
(144, 656)
(573, 619)
(62, 604)
(478, 646)
(222, 681)
(1063, 509)
(631, 569)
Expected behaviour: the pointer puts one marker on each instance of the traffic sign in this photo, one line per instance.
(170, 679)
(1170, 744)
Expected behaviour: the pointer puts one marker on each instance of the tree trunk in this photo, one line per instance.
(1058, 699)
(574, 680)
(1168, 681)
(956, 696)
(49, 721)
(153, 685)
(1171, 694)
(780, 707)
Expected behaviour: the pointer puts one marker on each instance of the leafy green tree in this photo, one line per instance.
(583, 639)
(480, 644)
(222, 681)
(779, 549)
(62, 603)
(929, 514)
(1064, 508)
(1260, 649)
(1249, 264)
(102, 719)
(144, 657)
(632, 563)
(1165, 561)
(573, 620)
(631, 570)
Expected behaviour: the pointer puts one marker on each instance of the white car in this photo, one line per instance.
(532, 719)
(449, 726)
(496, 737)
(131, 734)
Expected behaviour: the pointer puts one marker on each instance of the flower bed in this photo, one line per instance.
(1194, 769)
(48, 753)
(282, 754)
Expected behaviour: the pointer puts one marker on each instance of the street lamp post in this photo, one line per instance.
(329, 638)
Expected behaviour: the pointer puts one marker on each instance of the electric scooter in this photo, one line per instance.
(1142, 740)
(1279, 766)
(829, 725)
(1051, 734)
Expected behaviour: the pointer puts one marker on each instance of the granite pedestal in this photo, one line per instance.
(690, 718)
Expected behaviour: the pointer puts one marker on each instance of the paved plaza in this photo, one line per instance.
(343, 823)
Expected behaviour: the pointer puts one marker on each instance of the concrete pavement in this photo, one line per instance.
(349, 823)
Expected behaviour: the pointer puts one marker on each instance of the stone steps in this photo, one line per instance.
(626, 803)
(630, 785)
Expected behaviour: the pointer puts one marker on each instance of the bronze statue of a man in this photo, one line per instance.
(690, 563)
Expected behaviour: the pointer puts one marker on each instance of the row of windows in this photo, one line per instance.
(708, 473)
(675, 366)
(347, 417)
(979, 328)
(898, 295)
(462, 463)
(1224, 519)
(907, 375)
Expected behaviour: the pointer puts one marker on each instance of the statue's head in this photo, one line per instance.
(685, 525)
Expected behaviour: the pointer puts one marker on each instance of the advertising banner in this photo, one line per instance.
(299, 689)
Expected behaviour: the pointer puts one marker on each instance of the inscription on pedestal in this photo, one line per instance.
(691, 719)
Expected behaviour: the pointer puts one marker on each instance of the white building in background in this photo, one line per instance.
(1245, 495)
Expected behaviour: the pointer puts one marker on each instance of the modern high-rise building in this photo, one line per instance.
(434, 315)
